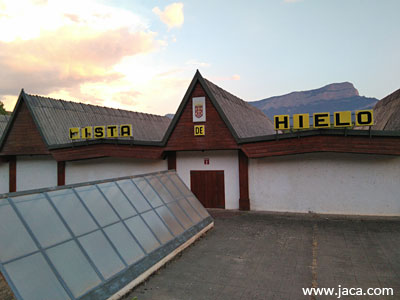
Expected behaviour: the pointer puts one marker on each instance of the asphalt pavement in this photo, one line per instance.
(251, 255)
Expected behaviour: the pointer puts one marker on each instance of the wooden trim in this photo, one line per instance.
(4, 159)
(198, 79)
(172, 160)
(321, 143)
(244, 200)
(217, 133)
(60, 173)
(23, 137)
(108, 150)
(12, 174)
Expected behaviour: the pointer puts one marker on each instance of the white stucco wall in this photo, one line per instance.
(326, 183)
(34, 172)
(226, 160)
(104, 168)
(4, 177)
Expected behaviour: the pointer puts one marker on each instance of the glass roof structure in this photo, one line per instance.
(89, 240)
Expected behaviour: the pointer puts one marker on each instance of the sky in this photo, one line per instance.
(141, 55)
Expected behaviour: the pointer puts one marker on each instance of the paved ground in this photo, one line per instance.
(263, 256)
(5, 291)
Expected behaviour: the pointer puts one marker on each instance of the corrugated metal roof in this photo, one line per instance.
(55, 117)
(3, 123)
(387, 113)
(246, 120)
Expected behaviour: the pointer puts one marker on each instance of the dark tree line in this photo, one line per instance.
(2, 109)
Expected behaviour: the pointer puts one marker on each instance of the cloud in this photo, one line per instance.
(170, 72)
(8, 101)
(127, 98)
(88, 52)
(227, 78)
(197, 64)
(67, 46)
(172, 15)
(235, 77)
(66, 57)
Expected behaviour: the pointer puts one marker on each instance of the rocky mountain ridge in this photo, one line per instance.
(332, 97)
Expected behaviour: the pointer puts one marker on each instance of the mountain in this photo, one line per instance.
(171, 116)
(330, 98)
(387, 113)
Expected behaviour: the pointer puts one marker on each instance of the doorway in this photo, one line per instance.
(209, 188)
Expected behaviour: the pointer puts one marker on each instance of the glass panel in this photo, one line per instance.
(197, 205)
(14, 239)
(101, 253)
(97, 205)
(72, 210)
(170, 186)
(182, 217)
(161, 190)
(34, 279)
(73, 267)
(42, 219)
(170, 220)
(117, 199)
(142, 233)
(134, 195)
(157, 226)
(179, 183)
(108, 250)
(148, 192)
(190, 211)
(124, 242)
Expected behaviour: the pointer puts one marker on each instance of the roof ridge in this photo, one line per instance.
(244, 102)
(94, 105)
(208, 81)
(245, 119)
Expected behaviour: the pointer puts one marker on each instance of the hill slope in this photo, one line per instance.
(387, 112)
(333, 97)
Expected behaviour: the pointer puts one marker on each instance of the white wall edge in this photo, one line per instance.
(333, 215)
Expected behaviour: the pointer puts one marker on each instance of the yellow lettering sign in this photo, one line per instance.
(281, 122)
(364, 118)
(125, 130)
(199, 130)
(99, 132)
(342, 119)
(87, 132)
(112, 131)
(301, 121)
(74, 133)
(321, 120)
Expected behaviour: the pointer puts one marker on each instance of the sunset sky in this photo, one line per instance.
(141, 55)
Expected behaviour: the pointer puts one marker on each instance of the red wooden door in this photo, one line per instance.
(209, 187)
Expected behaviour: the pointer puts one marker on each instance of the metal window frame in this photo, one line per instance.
(176, 239)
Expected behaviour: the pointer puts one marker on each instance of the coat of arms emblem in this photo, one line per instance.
(198, 110)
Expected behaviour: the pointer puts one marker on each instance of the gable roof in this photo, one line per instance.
(246, 120)
(3, 123)
(53, 119)
(387, 113)
(242, 119)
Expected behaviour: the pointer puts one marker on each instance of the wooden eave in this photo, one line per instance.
(323, 141)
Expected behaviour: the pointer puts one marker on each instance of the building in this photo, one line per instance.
(231, 158)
